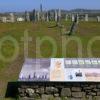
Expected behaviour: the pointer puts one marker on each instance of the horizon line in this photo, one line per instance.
(49, 9)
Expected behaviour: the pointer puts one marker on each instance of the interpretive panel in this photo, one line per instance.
(61, 69)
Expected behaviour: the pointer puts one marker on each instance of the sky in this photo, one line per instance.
(22, 5)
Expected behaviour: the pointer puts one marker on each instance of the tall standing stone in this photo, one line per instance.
(59, 14)
(66, 18)
(73, 17)
(56, 16)
(98, 18)
(77, 18)
(86, 18)
(47, 17)
(27, 16)
(33, 15)
(43, 16)
(38, 15)
(41, 10)
(12, 18)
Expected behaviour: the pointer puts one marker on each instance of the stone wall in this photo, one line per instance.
(60, 91)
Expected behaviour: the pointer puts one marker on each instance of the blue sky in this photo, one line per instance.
(21, 5)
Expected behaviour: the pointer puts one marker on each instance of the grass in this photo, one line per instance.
(9, 71)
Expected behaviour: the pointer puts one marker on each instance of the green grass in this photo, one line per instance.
(9, 71)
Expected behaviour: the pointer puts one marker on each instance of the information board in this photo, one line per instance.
(61, 69)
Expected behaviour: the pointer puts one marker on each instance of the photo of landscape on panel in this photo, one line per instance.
(35, 70)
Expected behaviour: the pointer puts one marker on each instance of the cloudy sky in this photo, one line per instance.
(22, 5)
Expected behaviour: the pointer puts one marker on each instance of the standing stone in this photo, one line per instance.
(77, 18)
(66, 18)
(98, 18)
(41, 9)
(27, 16)
(12, 18)
(86, 17)
(47, 17)
(4, 19)
(43, 16)
(73, 17)
(56, 16)
(33, 16)
(38, 15)
(59, 14)
(65, 92)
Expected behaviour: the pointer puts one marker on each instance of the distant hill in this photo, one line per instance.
(84, 11)
(74, 11)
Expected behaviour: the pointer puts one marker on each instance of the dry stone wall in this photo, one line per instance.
(66, 91)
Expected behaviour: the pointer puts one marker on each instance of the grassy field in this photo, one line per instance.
(9, 71)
